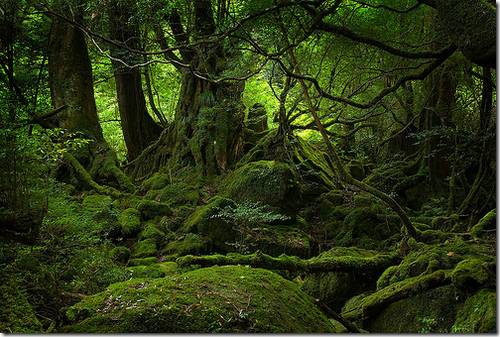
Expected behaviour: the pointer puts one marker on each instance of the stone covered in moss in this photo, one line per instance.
(269, 182)
(144, 248)
(433, 311)
(153, 270)
(335, 288)
(205, 221)
(150, 209)
(156, 182)
(179, 193)
(120, 254)
(473, 273)
(16, 313)
(216, 299)
(478, 314)
(425, 259)
(144, 261)
(150, 231)
(273, 240)
(488, 222)
(189, 244)
(130, 222)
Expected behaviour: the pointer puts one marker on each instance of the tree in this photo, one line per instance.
(139, 129)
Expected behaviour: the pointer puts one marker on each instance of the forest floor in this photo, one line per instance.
(262, 249)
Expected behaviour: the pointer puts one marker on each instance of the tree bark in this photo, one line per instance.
(70, 80)
(139, 129)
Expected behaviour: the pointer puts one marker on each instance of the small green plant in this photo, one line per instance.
(245, 216)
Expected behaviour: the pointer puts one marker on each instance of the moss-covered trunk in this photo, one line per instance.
(139, 129)
(70, 79)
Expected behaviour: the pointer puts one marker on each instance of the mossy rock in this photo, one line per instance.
(270, 182)
(204, 221)
(430, 311)
(472, 273)
(488, 222)
(363, 227)
(120, 254)
(425, 259)
(174, 222)
(153, 270)
(334, 289)
(215, 299)
(16, 313)
(478, 314)
(150, 209)
(151, 231)
(274, 241)
(156, 182)
(144, 261)
(188, 244)
(97, 202)
(130, 222)
(144, 248)
(176, 194)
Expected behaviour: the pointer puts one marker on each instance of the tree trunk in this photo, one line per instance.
(139, 129)
(70, 79)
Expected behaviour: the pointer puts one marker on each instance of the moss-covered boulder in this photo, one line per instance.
(156, 182)
(144, 248)
(205, 221)
(152, 270)
(130, 222)
(433, 311)
(150, 209)
(487, 223)
(216, 299)
(425, 259)
(473, 273)
(187, 244)
(269, 182)
(179, 193)
(151, 231)
(335, 288)
(120, 254)
(478, 314)
(16, 313)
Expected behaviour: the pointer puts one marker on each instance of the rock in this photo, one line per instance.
(130, 222)
(144, 248)
(216, 299)
(478, 314)
(270, 182)
(120, 254)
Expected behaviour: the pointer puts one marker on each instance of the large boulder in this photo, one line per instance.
(215, 299)
(269, 182)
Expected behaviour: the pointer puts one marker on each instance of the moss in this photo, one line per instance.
(369, 306)
(478, 314)
(487, 222)
(176, 194)
(156, 182)
(472, 273)
(97, 202)
(144, 248)
(274, 240)
(150, 209)
(130, 222)
(425, 259)
(153, 270)
(16, 313)
(120, 254)
(269, 182)
(335, 288)
(216, 299)
(175, 221)
(188, 244)
(150, 231)
(362, 227)
(433, 311)
(204, 221)
(145, 261)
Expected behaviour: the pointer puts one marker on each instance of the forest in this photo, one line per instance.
(248, 166)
